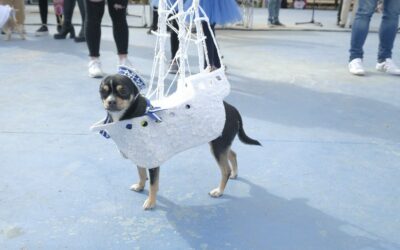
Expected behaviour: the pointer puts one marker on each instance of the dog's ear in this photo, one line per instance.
(128, 83)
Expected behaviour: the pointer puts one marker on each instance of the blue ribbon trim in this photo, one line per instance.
(103, 132)
(151, 111)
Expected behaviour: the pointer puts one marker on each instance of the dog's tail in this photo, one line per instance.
(243, 137)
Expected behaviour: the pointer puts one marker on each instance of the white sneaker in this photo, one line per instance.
(388, 66)
(356, 67)
(95, 70)
(126, 62)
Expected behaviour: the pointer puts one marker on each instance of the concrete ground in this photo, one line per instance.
(327, 176)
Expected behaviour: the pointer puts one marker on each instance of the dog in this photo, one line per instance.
(122, 100)
(7, 14)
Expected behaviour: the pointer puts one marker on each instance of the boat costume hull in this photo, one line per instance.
(192, 116)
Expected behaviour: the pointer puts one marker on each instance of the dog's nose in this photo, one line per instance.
(112, 103)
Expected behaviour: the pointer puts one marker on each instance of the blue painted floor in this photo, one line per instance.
(327, 176)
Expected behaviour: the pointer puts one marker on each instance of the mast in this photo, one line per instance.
(182, 41)
(162, 35)
(200, 42)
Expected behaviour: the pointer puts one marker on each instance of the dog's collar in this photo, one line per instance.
(133, 76)
(150, 112)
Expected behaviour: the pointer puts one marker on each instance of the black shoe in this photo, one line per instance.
(80, 39)
(277, 23)
(42, 31)
(66, 29)
(59, 28)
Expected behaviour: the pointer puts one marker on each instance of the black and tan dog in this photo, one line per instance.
(122, 100)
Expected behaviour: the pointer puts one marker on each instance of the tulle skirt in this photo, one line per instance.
(154, 3)
(219, 11)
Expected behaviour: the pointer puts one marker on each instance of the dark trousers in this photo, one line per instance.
(94, 15)
(213, 56)
(69, 6)
(174, 39)
(43, 10)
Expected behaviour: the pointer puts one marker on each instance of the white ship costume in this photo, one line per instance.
(193, 115)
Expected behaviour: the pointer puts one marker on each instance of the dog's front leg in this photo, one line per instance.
(142, 180)
(154, 177)
(223, 164)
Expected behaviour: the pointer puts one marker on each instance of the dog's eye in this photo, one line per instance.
(122, 91)
(104, 91)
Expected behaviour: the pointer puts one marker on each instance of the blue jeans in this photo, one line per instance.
(273, 11)
(387, 30)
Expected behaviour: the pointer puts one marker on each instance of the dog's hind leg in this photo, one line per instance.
(223, 163)
(234, 165)
(142, 180)
(154, 180)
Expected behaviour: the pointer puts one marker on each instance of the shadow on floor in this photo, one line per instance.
(264, 221)
(292, 105)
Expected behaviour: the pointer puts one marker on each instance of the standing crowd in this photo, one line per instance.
(219, 12)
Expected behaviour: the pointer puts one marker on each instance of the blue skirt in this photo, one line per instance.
(154, 3)
(219, 11)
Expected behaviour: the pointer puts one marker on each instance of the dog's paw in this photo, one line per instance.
(137, 187)
(215, 193)
(149, 204)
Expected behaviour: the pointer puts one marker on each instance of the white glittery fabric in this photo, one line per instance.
(193, 115)
(5, 12)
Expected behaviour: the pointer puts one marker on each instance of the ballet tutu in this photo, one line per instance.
(219, 11)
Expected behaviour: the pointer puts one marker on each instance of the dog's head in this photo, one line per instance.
(117, 92)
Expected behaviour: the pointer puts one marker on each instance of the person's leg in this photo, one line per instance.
(82, 10)
(344, 13)
(69, 6)
(277, 8)
(353, 12)
(339, 12)
(272, 16)
(216, 61)
(212, 53)
(388, 28)
(174, 40)
(120, 27)
(360, 28)
(43, 9)
(67, 27)
(94, 15)
(154, 23)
